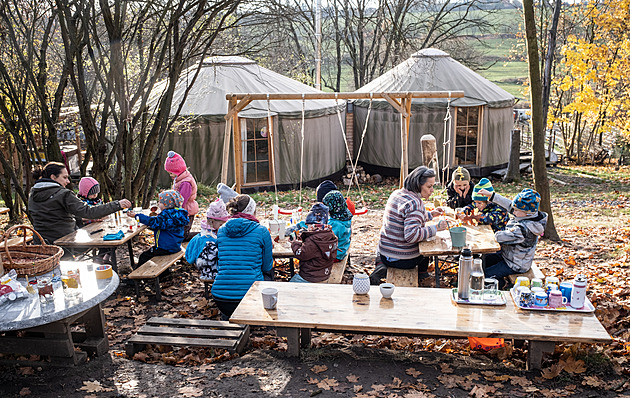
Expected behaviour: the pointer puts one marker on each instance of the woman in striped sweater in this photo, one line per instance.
(404, 226)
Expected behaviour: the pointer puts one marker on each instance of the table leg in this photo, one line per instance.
(292, 266)
(132, 261)
(436, 266)
(95, 340)
(114, 260)
(305, 337)
(293, 340)
(535, 352)
(158, 293)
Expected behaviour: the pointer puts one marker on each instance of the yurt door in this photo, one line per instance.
(256, 152)
(467, 148)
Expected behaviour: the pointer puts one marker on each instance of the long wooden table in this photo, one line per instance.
(282, 250)
(479, 238)
(87, 237)
(411, 311)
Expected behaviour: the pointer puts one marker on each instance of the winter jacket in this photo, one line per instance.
(245, 252)
(168, 228)
(494, 215)
(316, 251)
(343, 232)
(518, 241)
(53, 209)
(92, 202)
(202, 253)
(454, 200)
(190, 204)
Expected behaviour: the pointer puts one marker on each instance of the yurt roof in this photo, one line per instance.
(431, 69)
(222, 75)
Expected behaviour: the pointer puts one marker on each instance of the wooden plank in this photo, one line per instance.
(189, 332)
(416, 311)
(338, 269)
(156, 266)
(346, 95)
(194, 342)
(18, 240)
(403, 277)
(57, 347)
(193, 322)
(480, 239)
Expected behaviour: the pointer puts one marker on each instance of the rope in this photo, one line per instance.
(447, 133)
(273, 158)
(356, 162)
(345, 141)
(302, 150)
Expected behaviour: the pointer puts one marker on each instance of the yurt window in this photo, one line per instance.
(467, 134)
(256, 167)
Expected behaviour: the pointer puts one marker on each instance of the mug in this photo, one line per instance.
(522, 281)
(556, 299)
(270, 298)
(525, 297)
(541, 299)
(536, 282)
(552, 279)
(361, 283)
(550, 287)
(538, 289)
(387, 289)
(565, 288)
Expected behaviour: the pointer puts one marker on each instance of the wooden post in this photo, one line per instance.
(226, 143)
(404, 138)
(514, 169)
(77, 137)
(238, 153)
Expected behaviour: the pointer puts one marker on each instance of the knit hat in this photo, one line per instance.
(528, 201)
(484, 183)
(460, 174)
(174, 163)
(337, 206)
(318, 214)
(251, 207)
(88, 186)
(217, 211)
(225, 193)
(323, 188)
(171, 199)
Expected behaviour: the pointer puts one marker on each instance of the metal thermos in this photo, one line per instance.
(463, 275)
(578, 294)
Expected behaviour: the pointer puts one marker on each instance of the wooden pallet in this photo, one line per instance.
(189, 332)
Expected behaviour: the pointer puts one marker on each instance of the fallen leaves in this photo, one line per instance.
(319, 368)
(94, 386)
(327, 384)
(190, 392)
(238, 371)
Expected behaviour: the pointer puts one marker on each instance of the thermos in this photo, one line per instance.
(463, 275)
(578, 294)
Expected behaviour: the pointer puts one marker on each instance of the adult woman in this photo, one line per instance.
(53, 207)
(404, 226)
(245, 254)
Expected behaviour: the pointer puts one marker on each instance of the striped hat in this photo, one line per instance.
(484, 183)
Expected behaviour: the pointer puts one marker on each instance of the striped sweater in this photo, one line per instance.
(404, 225)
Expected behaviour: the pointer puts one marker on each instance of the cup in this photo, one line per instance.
(490, 290)
(458, 236)
(550, 287)
(566, 288)
(361, 283)
(540, 300)
(522, 281)
(552, 280)
(274, 227)
(270, 298)
(281, 230)
(538, 289)
(536, 282)
(556, 299)
(387, 289)
(525, 297)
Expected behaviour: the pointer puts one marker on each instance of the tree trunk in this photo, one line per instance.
(514, 167)
(539, 163)
(551, 49)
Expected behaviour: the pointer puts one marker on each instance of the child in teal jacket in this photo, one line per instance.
(340, 220)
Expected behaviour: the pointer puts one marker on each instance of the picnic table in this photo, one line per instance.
(282, 250)
(411, 311)
(88, 237)
(45, 329)
(480, 239)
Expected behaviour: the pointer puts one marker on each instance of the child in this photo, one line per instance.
(89, 189)
(315, 247)
(168, 226)
(489, 213)
(460, 189)
(520, 237)
(341, 222)
(185, 184)
(202, 249)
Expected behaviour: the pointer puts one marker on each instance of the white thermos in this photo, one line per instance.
(578, 294)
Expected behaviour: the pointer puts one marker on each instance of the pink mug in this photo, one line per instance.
(556, 299)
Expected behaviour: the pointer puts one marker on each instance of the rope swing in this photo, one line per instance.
(446, 144)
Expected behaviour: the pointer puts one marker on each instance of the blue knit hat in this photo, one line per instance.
(318, 214)
(484, 183)
(323, 188)
(528, 201)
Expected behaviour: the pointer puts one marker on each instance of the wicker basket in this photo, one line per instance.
(29, 259)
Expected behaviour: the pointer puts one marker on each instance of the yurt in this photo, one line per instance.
(200, 130)
(478, 129)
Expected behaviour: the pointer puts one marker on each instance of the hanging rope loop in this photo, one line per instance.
(273, 158)
(302, 149)
(446, 141)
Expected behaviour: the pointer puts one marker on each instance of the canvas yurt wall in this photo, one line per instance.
(200, 128)
(481, 120)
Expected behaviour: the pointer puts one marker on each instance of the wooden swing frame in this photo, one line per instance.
(401, 101)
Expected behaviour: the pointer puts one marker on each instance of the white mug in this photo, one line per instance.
(270, 298)
(387, 289)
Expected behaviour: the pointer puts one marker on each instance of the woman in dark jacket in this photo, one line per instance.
(245, 254)
(53, 207)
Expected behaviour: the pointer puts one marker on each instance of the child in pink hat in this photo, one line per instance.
(185, 184)
(89, 189)
(202, 249)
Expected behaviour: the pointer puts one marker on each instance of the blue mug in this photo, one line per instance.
(540, 300)
(566, 288)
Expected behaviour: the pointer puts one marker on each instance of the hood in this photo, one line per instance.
(237, 227)
(325, 241)
(537, 223)
(178, 215)
(44, 189)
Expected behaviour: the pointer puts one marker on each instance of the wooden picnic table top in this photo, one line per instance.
(480, 239)
(412, 310)
(18, 240)
(83, 237)
(282, 249)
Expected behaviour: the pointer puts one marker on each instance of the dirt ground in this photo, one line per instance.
(346, 365)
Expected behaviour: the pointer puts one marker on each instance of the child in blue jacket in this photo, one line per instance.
(202, 248)
(489, 213)
(168, 226)
(340, 220)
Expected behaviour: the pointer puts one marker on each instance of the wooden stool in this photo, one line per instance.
(403, 277)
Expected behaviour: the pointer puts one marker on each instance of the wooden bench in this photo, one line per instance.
(534, 272)
(189, 332)
(155, 267)
(18, 240)
(403, 277)
(338, 269)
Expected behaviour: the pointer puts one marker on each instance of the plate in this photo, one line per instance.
(588, 306)
(500, 301)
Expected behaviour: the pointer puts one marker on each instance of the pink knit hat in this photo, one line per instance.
(174, 163)
(217, 211)
(88, 186)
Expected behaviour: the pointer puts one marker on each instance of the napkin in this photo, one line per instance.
(117, 236)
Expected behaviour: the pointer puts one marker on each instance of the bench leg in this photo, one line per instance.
(114, 260)
(436, 266)
(292, 266)
(535, 353)
(244, 342)
(293, 340)
(206, 293)
(132, 261)
(305, 338)
(137, 286)
(158, 293)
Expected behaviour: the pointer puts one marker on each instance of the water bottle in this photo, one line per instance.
(463, 274)
(578, 294)
(476, 281)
